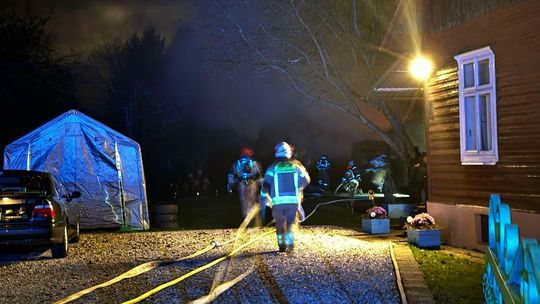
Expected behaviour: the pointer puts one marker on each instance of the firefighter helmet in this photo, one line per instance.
(246, 152)
(283, 149)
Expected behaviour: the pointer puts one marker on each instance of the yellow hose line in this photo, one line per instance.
(197, 270)
(215, 292)
(132, 273)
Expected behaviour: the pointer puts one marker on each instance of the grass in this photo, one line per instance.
(451, 279)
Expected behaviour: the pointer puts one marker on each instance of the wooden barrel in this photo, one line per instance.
(164, 216)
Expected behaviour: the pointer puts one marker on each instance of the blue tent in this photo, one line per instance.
(104, 165)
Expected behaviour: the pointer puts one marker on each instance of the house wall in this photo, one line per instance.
(513, 34)
(461, 224)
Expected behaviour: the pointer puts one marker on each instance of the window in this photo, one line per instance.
(58, 187)
(484, 229)
(477, 107)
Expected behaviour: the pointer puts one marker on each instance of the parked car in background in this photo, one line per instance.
(36, 209)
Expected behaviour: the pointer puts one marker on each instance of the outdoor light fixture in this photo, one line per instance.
(420, 68)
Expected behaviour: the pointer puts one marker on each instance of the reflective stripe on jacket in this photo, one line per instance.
(284, 181)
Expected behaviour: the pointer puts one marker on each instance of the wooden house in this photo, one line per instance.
(482, 113)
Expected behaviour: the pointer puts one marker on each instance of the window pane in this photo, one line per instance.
(485, 126)
(483, 72)
(468, 75)
(470, 124)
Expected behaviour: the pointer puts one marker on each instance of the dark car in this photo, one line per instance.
(36, 209)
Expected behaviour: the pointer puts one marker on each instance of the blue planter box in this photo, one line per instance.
(376, 226)
(424, 238)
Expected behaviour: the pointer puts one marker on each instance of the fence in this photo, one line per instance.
(512, 265)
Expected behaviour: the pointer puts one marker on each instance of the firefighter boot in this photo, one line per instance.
(289, 241)
(281, 242)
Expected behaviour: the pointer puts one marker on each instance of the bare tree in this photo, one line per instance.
(35, 82)
(127, 74)
(130, 77)
(327, 50)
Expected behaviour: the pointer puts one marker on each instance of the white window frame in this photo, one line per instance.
(476, 157)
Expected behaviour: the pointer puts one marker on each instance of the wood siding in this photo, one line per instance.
(513, 34)
(442, 14)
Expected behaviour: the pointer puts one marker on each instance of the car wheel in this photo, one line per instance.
(77, 237)
(60, 250)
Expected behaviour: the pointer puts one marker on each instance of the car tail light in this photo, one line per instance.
(43, 211)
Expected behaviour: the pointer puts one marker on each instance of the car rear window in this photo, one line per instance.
(24, 184)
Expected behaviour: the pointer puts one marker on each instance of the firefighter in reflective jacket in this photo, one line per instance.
(351, 179)
(323, 165)
(247, 174)
(282, 190)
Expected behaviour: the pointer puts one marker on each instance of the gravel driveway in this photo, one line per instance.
(327, 266)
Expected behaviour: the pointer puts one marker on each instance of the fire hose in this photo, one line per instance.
(154, 264)
(137, 271)
(197, 270)
(322, 204)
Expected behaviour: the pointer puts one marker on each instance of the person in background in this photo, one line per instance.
(351, 179)
(350, 183)
(203, 182)
(282, 190)
(193, 184)
(421, 177)
(174, 191)
(323, 165)
(246, 173)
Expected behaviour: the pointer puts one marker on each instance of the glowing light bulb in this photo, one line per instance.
(421, 68)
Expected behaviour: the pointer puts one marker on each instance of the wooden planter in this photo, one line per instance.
(424, 238)
(376, 226)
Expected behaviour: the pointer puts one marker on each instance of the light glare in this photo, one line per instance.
(421, 68)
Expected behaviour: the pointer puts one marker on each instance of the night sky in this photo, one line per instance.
(80, 26)
(259, 109)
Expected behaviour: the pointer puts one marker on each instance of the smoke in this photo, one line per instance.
(222, 112)
(225, 112)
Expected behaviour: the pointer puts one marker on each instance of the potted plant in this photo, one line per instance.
(376, 221)
(422, 231)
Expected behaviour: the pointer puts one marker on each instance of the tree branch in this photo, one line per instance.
(355, 18)
(311, 35)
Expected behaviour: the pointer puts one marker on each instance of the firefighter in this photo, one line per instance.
(351, 182)
(282, 190)
(351, 179)
(246, 173)
(323, 165)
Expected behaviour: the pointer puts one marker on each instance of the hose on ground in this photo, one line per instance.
(197, 270)
(135, 272)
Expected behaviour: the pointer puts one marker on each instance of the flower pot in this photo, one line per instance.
(376, 226)
(424, 238)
